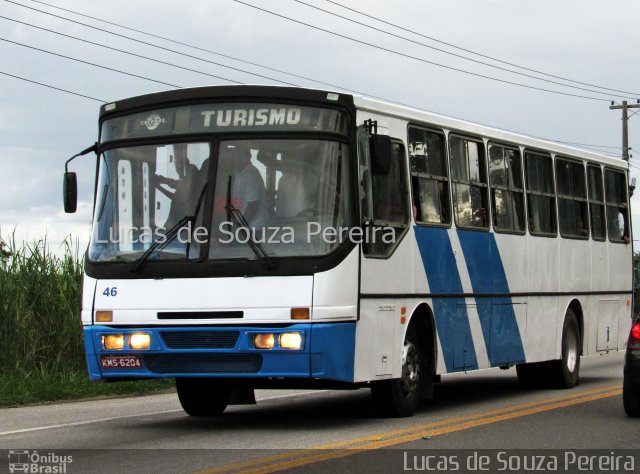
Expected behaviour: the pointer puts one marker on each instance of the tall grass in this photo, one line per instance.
(40, 298)
(41, 349)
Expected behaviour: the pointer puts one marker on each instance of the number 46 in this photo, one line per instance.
(113, 291)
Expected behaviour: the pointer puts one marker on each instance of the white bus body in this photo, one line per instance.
(477, 275)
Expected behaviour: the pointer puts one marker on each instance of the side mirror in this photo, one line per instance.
(70, 192)
(380, 150)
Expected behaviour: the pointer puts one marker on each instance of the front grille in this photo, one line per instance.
(201, 315)
(200, 339)
(203, 363)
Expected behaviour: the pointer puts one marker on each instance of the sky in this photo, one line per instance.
(591, 42)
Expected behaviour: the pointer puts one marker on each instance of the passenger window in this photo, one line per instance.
(389, 192)
(617, 206)
(596, 203)
(385, 203)
(540, 194)
(429, 177)
(572, 199)
(507, 192)
(469, 181)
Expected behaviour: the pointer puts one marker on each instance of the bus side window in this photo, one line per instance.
(617, 206)
(572, 199)
(540, 194)
(469, 181)
(507, 191)
(596, 203)
(429, 177)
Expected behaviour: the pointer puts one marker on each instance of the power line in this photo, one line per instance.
(146, 43)
(321, 82)
(199, 48)
(474, 52)
(466, 58)
(52, 87)
(89, 63)
(302, 77)
(120, 50)
(382, 48)
(196, 71)
(341, 88)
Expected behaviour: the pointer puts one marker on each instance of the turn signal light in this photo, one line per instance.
(299, 313)
(104, 316)
(113, 342)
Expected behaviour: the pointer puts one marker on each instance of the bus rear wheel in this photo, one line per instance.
(401, 397)
(203, 397)
(567, 369)
(561, 373)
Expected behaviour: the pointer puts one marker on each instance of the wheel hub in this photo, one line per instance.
(410, 369)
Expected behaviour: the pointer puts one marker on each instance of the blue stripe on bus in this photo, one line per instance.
(451, 317)
(497, 317)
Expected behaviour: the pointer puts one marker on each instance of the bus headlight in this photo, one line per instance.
(139, 341)
(264, 341)
(112, 342)
(291, 340)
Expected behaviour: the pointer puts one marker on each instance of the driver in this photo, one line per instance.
(247, 186)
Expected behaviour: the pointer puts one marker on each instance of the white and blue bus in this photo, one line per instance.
(264, 237)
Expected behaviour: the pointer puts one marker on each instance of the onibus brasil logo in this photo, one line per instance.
(22, 460)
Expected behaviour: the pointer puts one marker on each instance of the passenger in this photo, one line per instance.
(623, 222)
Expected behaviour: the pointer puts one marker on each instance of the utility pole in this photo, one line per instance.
(625, 130)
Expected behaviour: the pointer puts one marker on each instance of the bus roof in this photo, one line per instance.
(429, 118)
(259, 93)
(318, 96)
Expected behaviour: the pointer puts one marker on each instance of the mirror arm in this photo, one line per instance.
(92, 148)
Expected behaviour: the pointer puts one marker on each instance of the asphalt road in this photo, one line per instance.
(473, 415)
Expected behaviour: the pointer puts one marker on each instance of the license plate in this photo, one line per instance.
(120, 362)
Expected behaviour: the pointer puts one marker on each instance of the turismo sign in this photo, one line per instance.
(251, 117)
(208, 118)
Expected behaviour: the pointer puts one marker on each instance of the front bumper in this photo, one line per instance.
(327, 352)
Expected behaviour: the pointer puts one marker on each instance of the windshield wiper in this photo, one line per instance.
(239, 221)
(158, 245)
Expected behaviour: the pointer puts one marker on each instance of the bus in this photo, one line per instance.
(250, 237)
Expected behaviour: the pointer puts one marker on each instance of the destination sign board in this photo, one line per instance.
(220, 118)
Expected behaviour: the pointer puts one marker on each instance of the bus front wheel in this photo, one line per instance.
(401, 397)
(203, 397)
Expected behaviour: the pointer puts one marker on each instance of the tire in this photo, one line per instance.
(631, 400)
(203, 397)
(401, 397)
(566, 371)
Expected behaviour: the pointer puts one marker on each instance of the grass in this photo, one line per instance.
(44, 385)
(41, 350)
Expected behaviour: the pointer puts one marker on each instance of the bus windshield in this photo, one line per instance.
(196, 201)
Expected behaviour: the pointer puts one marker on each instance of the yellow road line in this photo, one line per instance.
(352, 446)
